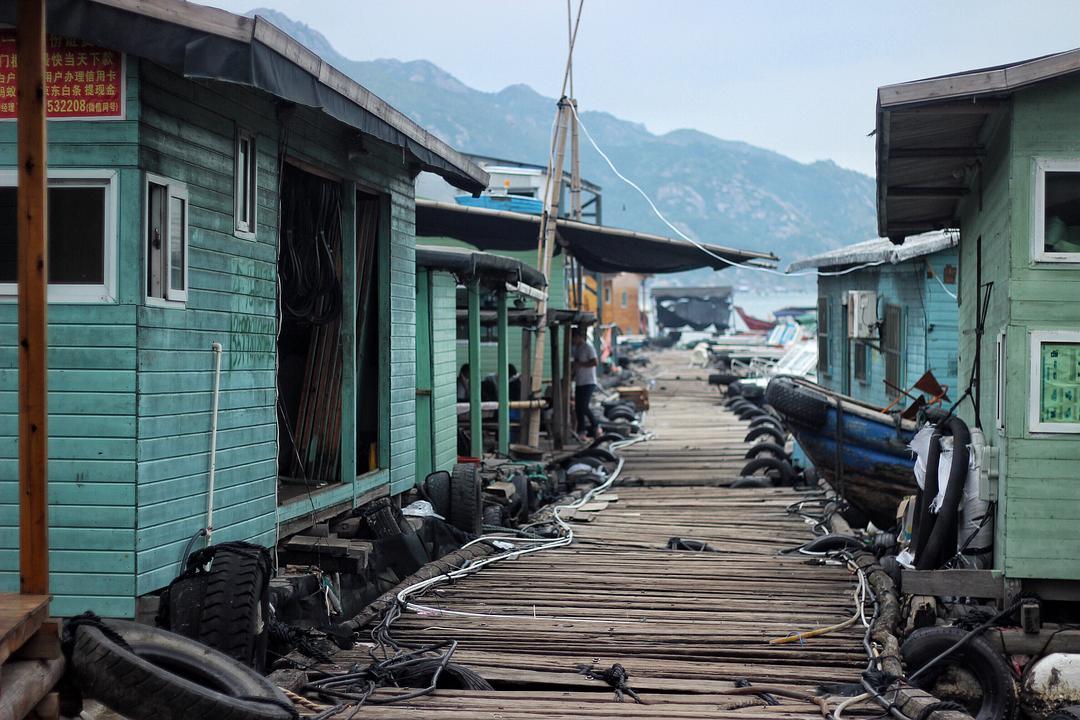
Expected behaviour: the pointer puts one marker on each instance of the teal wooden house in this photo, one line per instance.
(886, 315)
(995, 153)
(232, 293)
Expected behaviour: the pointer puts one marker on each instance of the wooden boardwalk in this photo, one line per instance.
(685, 625)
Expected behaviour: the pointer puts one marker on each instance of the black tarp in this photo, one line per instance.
(598, 248)
(228, 56)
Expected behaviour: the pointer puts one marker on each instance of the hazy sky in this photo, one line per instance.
(796, 77)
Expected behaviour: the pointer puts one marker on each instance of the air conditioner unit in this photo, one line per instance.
(861, 314)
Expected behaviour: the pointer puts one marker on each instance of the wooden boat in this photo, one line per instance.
(754, 324)
(859, 450)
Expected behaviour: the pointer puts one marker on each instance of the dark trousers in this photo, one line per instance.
(582, 399)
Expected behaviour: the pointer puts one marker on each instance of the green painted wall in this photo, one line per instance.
(92, 396)
(130, 383)
(929, 316)
(444, 391)
(1037, 529)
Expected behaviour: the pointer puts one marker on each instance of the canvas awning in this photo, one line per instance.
(488, 268)
(596, 247)
(206, 43)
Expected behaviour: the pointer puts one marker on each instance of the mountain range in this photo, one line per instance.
(717, 191)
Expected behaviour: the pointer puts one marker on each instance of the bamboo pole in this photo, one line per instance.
(476, 428)
(548, 223)
(33, 300)
(502, 374)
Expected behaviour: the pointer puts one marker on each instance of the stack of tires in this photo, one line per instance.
(768, 459)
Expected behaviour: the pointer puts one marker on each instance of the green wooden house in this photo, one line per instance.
(996, 153)
(886, 315)
(241, 206)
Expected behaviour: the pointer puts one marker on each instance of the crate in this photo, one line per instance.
(635, 394)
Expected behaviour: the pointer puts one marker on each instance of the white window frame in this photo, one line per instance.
(176, 189)
(104, 292)
(1039, 167)
(1038, 338)
(245, 228)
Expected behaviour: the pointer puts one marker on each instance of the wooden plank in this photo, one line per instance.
(20, 617)
(33, 302)
(961, 583)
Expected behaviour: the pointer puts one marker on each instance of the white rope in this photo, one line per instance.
(691, 240)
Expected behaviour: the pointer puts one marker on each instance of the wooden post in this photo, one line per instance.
(33, 300)
(548, 224)
(556, 429)
(502, 374)
(567, 377)
(476, 426)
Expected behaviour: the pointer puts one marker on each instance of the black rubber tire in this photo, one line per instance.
(750, 413)
(609, 436)
(757, 481)
(765, 431)
(767, 449)
(724, 378)
(780, 470)
(235, 608)
(437, 488)
(593, 462)
(753, 393)
(493, 515)
(170, 677)
(740, 405)
(796, 402)
(466, 498)
(621, 413)
(986, 664)
(1069, 712)
(768, 420)
(599, 453)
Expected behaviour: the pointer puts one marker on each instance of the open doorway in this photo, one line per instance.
(309, 333)
(368, 387)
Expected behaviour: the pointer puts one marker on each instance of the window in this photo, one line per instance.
(82, 235)
(859, 352)
(607, 294)
(166, 239)
(246, 177)
(1055, 382)
(823, 336)
(1055, 214)
(624, 298)
(890, 348)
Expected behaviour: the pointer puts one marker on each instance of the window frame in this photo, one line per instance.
(1039, 167)
(824, 363)
(245, 227)
(897, 353)
(1036, 339)
(1001, 362)
(860, 351)
(625, 299)
(174, 189)
(96, 293)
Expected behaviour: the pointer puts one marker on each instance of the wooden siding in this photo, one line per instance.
(92, 414)
(444, 370)
(928, 339)
(1038, 501)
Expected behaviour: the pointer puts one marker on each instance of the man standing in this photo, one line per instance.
(584, 368)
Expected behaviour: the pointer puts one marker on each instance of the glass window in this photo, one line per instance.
(890, 348)
(1054, 395)
(859, 352)
(624, 298)
(823, 336)
(1055, 230)
(246, 181)
(166, 239)
(81, 244)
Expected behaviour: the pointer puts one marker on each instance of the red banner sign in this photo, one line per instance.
(81, 80)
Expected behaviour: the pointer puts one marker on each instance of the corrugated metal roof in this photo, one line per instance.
(880, 250)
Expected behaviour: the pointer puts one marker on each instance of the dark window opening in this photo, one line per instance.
(890, 347)
(76, 242)
(859, 349)
(1061, 213)
(246, 181)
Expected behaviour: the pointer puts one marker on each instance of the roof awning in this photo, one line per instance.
(930, 136)
(207, 43)
(598, 248)
(880, 251)
(494, 270)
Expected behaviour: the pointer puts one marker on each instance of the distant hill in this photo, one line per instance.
(718, 191)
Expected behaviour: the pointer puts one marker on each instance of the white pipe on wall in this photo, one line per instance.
(216, 349)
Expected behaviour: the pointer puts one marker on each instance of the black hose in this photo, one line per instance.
(941, 541)
(924, 520)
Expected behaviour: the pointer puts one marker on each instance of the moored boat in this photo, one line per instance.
(859, 450)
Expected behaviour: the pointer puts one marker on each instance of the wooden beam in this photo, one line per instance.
(502, 373)
(900, 191)
(959, 583)
(476, 428)
(937, 152)
(33, 299)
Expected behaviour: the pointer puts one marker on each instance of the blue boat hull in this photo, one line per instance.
(863, 457)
